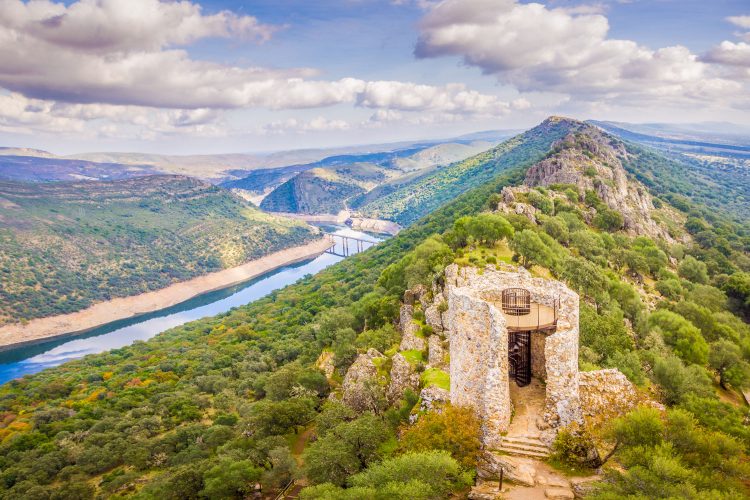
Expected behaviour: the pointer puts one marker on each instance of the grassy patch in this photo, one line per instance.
(413, 356)
(438, 378)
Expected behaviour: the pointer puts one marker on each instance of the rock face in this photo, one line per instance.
(432, 396)
(606, 393)
(325, 363)
(436, 353)
(518, 469)
(592, 160)
(434, 318)
(409, 330)
(403, 376)
(479, 347)
(359, 382)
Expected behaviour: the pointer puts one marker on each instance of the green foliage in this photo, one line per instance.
(726, 358)
(483, 228)
(682, 335)
(345, 449)
(693, 270)
(453, 429)
(230, 479)
(608, 220)
(679, 382)
(532, 249)
(435, 468)
(70, 245)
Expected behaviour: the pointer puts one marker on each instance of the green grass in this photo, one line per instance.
(413, 356)
(437, 378)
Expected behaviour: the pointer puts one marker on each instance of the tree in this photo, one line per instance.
(726, 358)
(682, 335)
(434, 468)
(693, 270)
(427, 261)
(585, 277)
(608, 220)
(532, 249)
(486, 228)
(556, 227)
(455, 430)
(678, 381)
(230, 479)
(345, 449)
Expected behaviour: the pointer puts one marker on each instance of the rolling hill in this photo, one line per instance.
(66, 245)
(223, 403)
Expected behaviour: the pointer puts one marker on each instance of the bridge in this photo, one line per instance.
(344, 246)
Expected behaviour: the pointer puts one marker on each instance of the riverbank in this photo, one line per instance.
(378, 226)
(42, 329)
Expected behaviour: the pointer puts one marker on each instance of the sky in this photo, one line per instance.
(229, 76)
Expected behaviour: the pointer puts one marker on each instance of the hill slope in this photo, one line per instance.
(64, 246)
(213, 406)
(405, 202)
(338, 178)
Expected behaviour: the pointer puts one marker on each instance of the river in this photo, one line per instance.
(21, 361)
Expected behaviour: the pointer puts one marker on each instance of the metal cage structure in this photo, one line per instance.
(519, 357)
(516, 301)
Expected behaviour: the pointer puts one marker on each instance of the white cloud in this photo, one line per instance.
(318, 124)
(730, 53)
(741, 21)
(535, 48)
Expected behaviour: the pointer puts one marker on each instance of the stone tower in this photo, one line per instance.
(505, 327)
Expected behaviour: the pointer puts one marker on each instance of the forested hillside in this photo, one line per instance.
(413, 199)
(209, 409)
(65, 246)
(327, 185)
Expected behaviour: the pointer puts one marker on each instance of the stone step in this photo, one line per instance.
(524, 452)
(525, 445)
(524, 440)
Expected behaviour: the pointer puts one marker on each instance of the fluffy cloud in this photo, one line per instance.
(729, 53)
(536, 48)
(128, 53)
(741, 21)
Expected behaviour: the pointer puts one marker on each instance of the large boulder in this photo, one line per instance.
(518, 469)
(361, 387)
(403, 377)
(410, 340)
(436, 352)
(434, 318)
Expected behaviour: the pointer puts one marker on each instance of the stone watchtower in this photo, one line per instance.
(505, 328)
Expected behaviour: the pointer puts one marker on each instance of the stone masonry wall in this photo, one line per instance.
(479, 340)
(538, 359)
(479, 362)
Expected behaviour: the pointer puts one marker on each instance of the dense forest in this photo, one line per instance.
(215, 407)
(65, 246)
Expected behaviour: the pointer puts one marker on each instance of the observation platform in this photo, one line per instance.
(523, 315)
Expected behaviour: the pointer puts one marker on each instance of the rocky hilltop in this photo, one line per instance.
(592, 160)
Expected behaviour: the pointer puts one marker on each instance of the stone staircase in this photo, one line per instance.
(525, 446)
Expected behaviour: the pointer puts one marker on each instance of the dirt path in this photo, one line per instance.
(127, 307)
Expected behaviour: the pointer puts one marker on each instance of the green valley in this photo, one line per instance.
(253, 398)
(65, 246)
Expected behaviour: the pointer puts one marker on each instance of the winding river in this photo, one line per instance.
(24, 360)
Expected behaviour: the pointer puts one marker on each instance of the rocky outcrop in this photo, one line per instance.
(592, 160)
(434, 318)
(436, 353)
(606, 394)
(403, 377)
(409, 330)
(431, 397)
(517, 469)
(360, 386)
(325, 363)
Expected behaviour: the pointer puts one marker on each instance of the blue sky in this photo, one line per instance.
(235, 76)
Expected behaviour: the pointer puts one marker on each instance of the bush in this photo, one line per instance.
(454, 429)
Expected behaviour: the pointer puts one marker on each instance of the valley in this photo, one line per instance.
(66, 247)
(661, 275)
